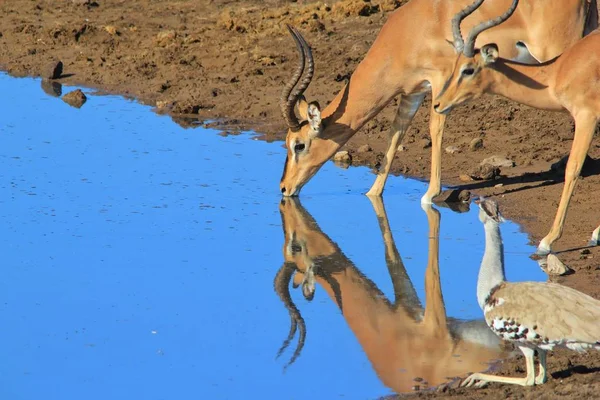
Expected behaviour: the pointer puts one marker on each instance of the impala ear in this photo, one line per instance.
(310, 112)
(489, 53)
(314, 118)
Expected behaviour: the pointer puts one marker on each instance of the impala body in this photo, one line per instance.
(402, 340)
(569, 83)
(413, 55)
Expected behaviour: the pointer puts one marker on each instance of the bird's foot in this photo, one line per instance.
(474, 380)
(480, 380)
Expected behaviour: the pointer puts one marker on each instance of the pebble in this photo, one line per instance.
(476, 144)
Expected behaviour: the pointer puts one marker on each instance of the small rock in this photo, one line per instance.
(452, 149)
(401, 148)
(111, 29)
(364, 148)
(76, 98)
(425, 143)
(554, 266)
(453, 196)
(161, 104)
(497, 161)
(465, 178)
(53, 70)
(499, 185)
(476, 144)
(484, 172)
(342, 156)
(165, 37)
(585, 251)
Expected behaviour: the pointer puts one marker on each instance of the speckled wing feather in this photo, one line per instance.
(545, 315)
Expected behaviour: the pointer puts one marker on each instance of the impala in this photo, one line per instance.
(401, 339)
(569, 83)
(412, 56)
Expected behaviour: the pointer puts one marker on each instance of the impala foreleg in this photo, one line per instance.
(436, 130)
(584, 132)
(406, 111)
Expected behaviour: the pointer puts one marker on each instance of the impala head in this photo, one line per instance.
(305, 153)
(304, 241)
(468, 80)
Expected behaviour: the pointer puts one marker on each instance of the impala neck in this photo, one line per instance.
(491, 272)
(527, 84)
(360, 100)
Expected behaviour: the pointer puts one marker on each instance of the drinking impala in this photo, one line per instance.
(412, 56)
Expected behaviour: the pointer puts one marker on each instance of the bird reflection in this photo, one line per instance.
(406, 343)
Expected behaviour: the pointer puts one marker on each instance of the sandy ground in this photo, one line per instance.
(227, 60)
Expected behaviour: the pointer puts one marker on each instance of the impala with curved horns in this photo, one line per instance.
(412, 56)
(401, 338)
(569, 83)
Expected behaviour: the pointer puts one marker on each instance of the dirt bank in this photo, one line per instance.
(228, 60)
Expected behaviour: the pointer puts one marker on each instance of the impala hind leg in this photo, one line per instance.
(436, 130)
(406, 111)
(584, 132)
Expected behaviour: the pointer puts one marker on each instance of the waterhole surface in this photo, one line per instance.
(140, 262)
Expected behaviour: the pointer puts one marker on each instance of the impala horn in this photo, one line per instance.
(470, 43)
(281, 283)
(459, 43)
(288, 99)
(468, 47)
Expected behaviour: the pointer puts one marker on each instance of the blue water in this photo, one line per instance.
(139, 258)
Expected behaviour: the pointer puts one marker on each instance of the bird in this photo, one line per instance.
(534, 316)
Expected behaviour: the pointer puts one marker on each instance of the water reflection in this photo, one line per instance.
(409, 346)
(51, 88)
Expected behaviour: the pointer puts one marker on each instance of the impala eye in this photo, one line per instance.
(296, 248)
(468, 71)
(299, 147)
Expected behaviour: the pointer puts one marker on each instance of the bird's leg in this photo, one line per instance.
(541, 377)
(529, 380)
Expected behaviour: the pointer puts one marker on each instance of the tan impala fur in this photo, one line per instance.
(401, 339)
(413, 55)
(569, 83)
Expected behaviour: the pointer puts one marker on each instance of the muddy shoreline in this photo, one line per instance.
(226, 61)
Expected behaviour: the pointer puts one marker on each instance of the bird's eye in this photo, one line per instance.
(468, 71)
(299, 147)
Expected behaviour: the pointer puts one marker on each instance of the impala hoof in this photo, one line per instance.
(543, 248)
(542, 251)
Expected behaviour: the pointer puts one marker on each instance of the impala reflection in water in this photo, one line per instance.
(139, 255)
(406, 343)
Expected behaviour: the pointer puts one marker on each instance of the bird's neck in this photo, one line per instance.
(491, 272)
